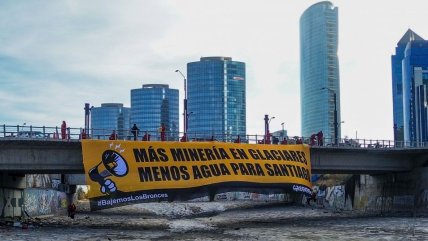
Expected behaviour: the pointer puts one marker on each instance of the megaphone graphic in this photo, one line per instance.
(112, 163)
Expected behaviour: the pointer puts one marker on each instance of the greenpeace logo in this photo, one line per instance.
(298, 188)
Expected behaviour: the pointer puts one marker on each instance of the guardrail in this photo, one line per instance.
(76, 134)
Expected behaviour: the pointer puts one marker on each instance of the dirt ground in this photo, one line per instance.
(218, 221)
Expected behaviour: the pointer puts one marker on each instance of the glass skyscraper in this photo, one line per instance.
(216, 98)
(319, 70)
(153, 105)
(415, 98)
(397, 82)
(109, 117)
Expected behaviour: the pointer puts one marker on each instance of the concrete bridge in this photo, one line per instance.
(403, 178)
(65, 157)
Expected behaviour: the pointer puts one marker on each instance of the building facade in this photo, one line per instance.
(415, 81)
(397, 83)
(154, 105)
(109, 117)
(216, 98)
(319, 71)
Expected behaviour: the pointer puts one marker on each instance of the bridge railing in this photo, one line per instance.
(76, 134)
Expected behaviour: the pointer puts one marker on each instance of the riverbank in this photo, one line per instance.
(218, 221)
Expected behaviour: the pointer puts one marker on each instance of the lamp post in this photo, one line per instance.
(185, 115)
(335, 115)
(282, 133)
(22, 127)
(87, 116)
(188, 117)
(395, 132)
(267, 133)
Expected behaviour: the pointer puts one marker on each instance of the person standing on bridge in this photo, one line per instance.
(63, 130)
(162, 131)
(113, 136)
(312, 140)
(83, 134)
(184, 138)
(320, 138)
(134, 131)
(146, 137)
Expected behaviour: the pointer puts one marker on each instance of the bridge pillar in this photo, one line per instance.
(421, 195)
(11, 194)
(394, 192)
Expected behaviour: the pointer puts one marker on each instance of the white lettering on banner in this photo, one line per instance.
(112, 201)
(298, 188)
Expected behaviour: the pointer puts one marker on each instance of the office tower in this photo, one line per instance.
(153, 105)
(397, 83)
(415, 81)
(216, 98)
(109, 117)
(319, 71)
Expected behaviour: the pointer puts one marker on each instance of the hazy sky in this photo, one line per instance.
(57, 55)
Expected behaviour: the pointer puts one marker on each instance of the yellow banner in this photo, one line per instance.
(120, 172)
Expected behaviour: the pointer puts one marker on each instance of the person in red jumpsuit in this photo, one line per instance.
(63, 130)
(113, 136)
(162, 132)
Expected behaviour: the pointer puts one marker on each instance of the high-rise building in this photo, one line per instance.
(109, 117)
(216, 98)
(319, 71)
(153, 105)
(415, 96)
(397, 82)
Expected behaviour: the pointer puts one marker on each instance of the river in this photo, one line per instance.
(233, 221)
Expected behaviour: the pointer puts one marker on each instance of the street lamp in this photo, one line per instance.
(185, 115)
(22, 127)
(335, 114)
(267, 122)
(282, 133)
(267, 133)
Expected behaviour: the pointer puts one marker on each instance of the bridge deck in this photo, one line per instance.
(40, 156)
(45, 156)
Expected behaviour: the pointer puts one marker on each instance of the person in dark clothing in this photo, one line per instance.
(320, 137)
(313, 197)
(275, 140)
(71, 210)
(184, 138)
(134, 131)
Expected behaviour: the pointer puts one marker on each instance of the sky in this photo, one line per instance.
(57, 55)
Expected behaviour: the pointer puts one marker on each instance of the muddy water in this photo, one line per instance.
(219, 221)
